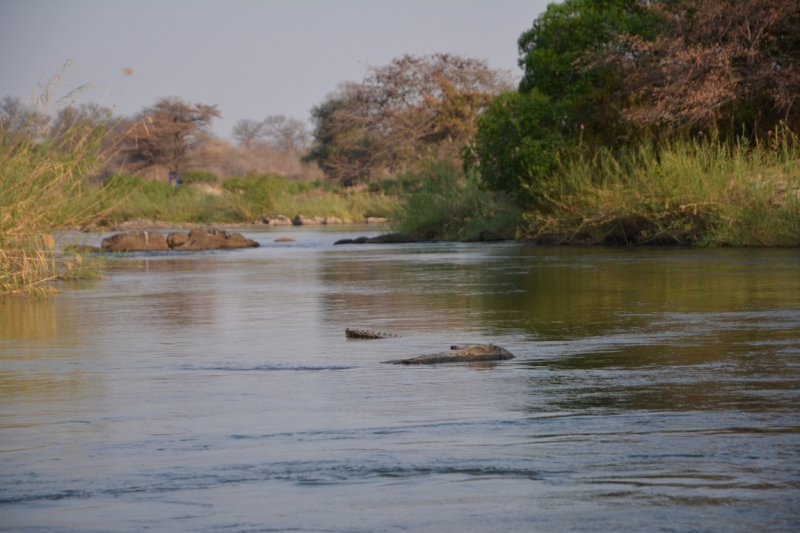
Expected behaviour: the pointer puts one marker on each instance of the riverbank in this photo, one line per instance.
(245, 200)
(683, 193)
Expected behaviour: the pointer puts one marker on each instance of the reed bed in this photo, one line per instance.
(43, 188)
(687, 192)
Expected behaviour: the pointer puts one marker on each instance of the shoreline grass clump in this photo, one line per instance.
(442, 202)
(43, 188)
(686, 192)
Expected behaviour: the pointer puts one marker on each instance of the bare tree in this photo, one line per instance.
(408, 110)
(17, 116)
(247, 131)
(168, 134)
(289, 135)
(717, 59)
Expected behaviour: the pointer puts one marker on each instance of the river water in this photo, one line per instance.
(653, 390)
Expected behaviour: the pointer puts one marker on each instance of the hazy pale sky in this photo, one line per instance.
(251, 58)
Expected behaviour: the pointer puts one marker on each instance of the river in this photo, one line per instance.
(654, 389)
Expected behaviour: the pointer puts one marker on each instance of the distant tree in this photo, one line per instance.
(17, 116)
(169, 133)
(411, 109)
(289, 135)
(247, 131)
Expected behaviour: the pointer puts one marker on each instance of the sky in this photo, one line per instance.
(251, 58)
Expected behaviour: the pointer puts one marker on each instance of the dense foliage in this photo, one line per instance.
(605, 76)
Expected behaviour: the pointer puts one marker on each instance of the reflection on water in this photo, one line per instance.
(653, 389)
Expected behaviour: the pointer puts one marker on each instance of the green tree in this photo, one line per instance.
(568, 93)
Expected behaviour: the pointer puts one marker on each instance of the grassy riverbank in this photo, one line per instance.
(686, 192)
(683, 193)
(237, 200)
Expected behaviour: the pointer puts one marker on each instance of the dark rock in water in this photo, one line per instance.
(392, 238)
(135, 241)
(466, 353)
(211, 239)
(387, 238)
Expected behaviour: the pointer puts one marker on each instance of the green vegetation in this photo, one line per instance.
(443, 203)
(684, 192)
(651, 123)
(237, 200)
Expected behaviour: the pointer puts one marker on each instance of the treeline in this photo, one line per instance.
(171, 134)
(668, 121)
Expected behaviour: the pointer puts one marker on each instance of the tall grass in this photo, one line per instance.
(43, 188)
(698, 192)
(443, 203)
(237, 200)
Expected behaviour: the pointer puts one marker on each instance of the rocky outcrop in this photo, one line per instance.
(387, 238)
(366, 334)
(332, 220)
(177, 239)
(211, 239)
(374, 220)
(302, 220)
(135, 241)
(465, 353)
(197, 240)
(277, 220)
(284, 239)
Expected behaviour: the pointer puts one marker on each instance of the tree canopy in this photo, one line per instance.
(169, 134)
(606, 74)
(401, 113)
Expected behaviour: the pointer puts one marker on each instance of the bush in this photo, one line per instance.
(259, 189)
(189, 177)
(446, 204)
(518, 143)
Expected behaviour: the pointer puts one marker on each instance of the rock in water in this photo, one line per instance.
(135, 241)
(210, 239)
(386, 238)
(467, 353)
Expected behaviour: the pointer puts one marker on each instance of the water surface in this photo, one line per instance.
(653, 390)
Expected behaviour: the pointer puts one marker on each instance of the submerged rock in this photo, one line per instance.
(135, 241)
(386, 238)
(466, 353)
